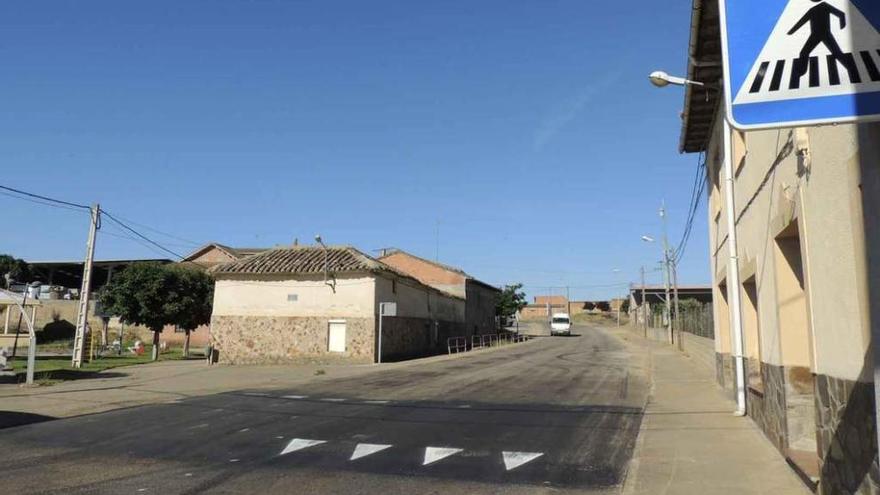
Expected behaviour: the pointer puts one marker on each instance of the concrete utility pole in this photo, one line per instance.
(644, 304)
(82, 317)
(669, 269)
(567, 302)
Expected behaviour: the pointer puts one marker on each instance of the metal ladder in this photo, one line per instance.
(82, 316)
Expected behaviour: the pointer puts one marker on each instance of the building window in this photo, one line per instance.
(752, 331)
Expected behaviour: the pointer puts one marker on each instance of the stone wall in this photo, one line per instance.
(278, 339)
(766, 405)
(846, 436)
(404, 337)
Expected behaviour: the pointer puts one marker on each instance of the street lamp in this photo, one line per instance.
(647, 238)
(326, 263)
(661, 79)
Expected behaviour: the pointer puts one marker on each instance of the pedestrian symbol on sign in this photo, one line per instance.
(798, 62)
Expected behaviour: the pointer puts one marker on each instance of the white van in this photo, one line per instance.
(560, 324)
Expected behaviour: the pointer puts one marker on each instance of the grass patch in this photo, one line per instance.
(51, 370)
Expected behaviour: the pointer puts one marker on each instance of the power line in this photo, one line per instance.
(166, 234)
(44, 198)
(142, 236)
(697, 190)
(41, 202)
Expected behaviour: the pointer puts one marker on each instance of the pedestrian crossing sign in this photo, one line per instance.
(794, 63)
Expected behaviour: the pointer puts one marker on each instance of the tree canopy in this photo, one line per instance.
(511, 301)
(17, 269)
(155, 295)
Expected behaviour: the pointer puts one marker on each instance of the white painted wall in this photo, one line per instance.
(353, 297)
(416, 301)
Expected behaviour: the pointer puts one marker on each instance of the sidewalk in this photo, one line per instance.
(690, 442)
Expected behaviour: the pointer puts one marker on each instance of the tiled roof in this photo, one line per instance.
(441, 266)
(305, 260)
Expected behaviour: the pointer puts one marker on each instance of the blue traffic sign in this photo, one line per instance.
(801, 62)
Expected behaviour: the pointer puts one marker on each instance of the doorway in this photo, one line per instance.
(337, 336)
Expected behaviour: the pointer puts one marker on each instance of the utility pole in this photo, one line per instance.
(567, 302)
(82, 317)
(668, 274)
(644, 304)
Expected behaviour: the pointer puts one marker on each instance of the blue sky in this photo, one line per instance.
(527, 130)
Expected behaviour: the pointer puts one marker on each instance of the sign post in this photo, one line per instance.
(385, 309)
(793, 63)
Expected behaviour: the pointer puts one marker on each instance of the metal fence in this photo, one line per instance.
(455, 345)
(696, 319)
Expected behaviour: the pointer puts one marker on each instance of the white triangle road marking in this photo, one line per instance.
(365, 449)
(434, 454)
(299, 444)
(513, 460)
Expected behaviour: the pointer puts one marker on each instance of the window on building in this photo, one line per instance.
(752, 334)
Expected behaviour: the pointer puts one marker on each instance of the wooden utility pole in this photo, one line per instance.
(82, 317)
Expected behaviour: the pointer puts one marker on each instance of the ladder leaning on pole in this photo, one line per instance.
(82, 316)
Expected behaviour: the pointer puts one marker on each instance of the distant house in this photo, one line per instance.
(543, 306)
(306, 301)
(214, 254)
(482, 298)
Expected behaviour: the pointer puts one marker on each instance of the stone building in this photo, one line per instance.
(481, 298)
(307, 301)
(806, 203)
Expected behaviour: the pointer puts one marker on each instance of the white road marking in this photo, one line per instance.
(296, 397)
(365, 449)
(244, 430)
(333, 400)
(233, 460)
(513, 460)
(465, 406)
(434, 454)
(188, 475)
(299, 444)
(376, 402)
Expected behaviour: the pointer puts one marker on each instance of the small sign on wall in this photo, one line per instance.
(388, 309)
(292, 298)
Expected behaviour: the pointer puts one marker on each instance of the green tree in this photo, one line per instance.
(195, 302)
(155, 295)
(17, 269)
(512, 300)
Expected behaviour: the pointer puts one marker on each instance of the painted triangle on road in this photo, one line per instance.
(434, 454)
(513, 460)
(365, 449)
(299, 444)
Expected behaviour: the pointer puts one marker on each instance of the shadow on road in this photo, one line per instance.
(8, 419)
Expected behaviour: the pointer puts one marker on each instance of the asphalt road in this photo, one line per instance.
(552, 415)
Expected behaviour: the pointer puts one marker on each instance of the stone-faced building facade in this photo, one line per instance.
(481, 298)
(307, 301)
(806, 216)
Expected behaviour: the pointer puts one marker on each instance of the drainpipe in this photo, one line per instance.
(733, 292)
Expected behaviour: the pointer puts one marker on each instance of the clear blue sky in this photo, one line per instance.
(527, 128)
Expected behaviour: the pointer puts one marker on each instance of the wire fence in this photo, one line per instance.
(698, 320)
(695, 319)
